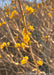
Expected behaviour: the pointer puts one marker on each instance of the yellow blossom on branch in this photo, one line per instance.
(26, 57)
(0, 56)
(0, 24)
(8, 43)
(46, 36)
(49, 15)
(26, 39)
(23, 45)
(51, 9)
(4, 44)
(4, 22)
(1, 47)
(39, 62)
(29, 9)
(31, 28)
(17, 45)
(24, 60)
(28, 33)
(24, 31)
(41, 3)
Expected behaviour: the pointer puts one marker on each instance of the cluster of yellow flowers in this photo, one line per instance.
(24, 32)
(2, 23)
(26, 37)
(49, 15)
(4, 44)
(22, 45)
(17, 45)
(44, 37)
(39, 62)
(29, 9)
(24, 60)
(12, 14)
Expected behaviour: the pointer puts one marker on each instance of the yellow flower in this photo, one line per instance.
(26, 39)
(1, 46)
(26, 57)
(39, 62)
(41, 3)
(42, 36)
(8, 43)
(51, 8)
(29, 9)
(23, 45)
(29, 33)
(26, 7)
(17, 45)
(24, 31)
(31, 28)
(4, 22)
(0, 43)
(4, 44)
(46, 36)
(0, 56)
(24, 60)
(49, 15)
(0, 24)
(38, 6)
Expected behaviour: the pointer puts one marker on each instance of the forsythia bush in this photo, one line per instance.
(26, 37)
